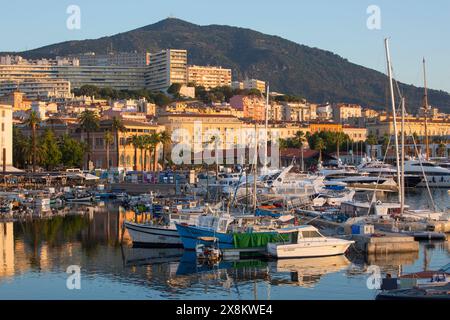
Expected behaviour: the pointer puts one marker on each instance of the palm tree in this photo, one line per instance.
(141, 146)
(320, 145)
(89, 122)
(340, 138)
(301, 138)
(108, 140)
(117, 126)
(372, 140)
(33, 122)
(134, 141)
(165, 139)
(154, 140)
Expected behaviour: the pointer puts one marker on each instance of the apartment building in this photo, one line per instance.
(166, 67)
(129, 59)
(250, 84)
(209, 76)
(36, 88)
(253, 107)
(6, 135)
(342, 112)
(59, 79)
(299, 111)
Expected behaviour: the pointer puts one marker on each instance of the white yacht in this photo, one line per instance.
(437, 176)
(382, 169)
(289, 181)
(307, 242)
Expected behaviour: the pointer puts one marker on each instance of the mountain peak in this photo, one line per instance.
(169, 23)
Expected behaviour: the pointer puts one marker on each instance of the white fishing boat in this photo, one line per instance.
(307, 242)
(162, 234)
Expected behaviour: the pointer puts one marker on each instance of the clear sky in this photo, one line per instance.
(416, 28)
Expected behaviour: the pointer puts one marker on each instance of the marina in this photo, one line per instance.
(111, 271)
(179, 161)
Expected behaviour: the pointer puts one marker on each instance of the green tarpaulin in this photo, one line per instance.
(257, 239)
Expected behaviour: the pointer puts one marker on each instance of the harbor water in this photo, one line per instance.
(35, 257)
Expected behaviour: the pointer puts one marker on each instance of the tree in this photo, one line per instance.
(134, 141)
(89, 122)
(108, 140)
(340, 139)
(20, 147)
(372, 140)
(33, 122)
(174, 89)
(320, 146)
(117, 126)
(72, 151)
(50, 150)
(165, 139)
(301, 139)
(154, 140)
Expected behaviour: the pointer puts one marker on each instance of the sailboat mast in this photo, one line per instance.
(402, 171)
(394, 115)
(425, 109)
(255, 168)
(266, 146)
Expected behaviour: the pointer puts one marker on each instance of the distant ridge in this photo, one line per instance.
(315, 74)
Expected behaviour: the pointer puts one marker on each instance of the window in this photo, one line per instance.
(3, 127)
(311, 234)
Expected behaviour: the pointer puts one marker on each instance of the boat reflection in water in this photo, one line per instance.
(294, 272)
(307, 272)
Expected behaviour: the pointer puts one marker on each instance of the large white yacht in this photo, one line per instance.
(382, 169)
(437, 176)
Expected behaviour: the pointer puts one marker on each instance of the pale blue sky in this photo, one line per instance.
(417, 28)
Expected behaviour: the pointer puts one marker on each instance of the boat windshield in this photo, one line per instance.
(311, 234)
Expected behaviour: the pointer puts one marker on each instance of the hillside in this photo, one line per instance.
(315, 74)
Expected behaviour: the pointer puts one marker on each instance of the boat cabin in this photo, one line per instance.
(301, 233)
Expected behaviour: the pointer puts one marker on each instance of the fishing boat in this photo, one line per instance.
(162, 233)
(307, 242)
(231, 232)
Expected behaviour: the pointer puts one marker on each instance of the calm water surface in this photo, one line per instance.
(34, 257)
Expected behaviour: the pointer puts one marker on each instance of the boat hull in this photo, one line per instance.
(308, 249)
(153, 236)
(190, 237)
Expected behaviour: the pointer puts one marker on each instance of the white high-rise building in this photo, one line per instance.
(166, 67)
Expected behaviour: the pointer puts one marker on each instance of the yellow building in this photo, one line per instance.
(356, 134)
(343, 111)
(125, 150)
(318, 127)
(186, 123)
(413, 125)
(209, 77)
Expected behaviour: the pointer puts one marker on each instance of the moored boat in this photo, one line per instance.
(307, 242)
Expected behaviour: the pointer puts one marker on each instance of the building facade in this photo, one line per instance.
(6, 135)
(253, 107)
(166, 67)
(437, 128)
(342, 112)
(209, 77)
